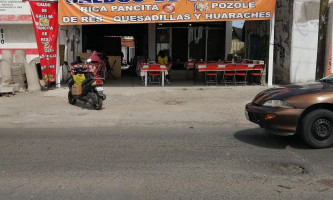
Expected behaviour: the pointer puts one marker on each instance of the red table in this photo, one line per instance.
(143, 68)
(220, 67)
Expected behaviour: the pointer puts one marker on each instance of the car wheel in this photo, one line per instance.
(317, 128)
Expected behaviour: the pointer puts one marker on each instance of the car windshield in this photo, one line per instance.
(327, 79)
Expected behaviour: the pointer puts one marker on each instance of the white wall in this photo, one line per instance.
(228, 38)
(19, 36)
(304, 40)
(71, 47)
(15, 8)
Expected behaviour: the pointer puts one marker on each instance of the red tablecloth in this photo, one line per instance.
(144, 67)
(91, 68)
(202, 66)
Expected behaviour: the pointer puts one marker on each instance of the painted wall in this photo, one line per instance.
(15, 12)
(11, 7)
(16, 29)
(304, 40)
(19, 36)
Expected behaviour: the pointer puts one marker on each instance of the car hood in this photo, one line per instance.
(290, 91)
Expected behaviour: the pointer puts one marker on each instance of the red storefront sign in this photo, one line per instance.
(45, 20)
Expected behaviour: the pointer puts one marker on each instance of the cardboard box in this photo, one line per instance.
(116, 60)
(84, 56)
(76, 90)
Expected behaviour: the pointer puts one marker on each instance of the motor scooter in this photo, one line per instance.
(92, 89)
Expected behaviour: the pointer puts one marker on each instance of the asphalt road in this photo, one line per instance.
(204, 161)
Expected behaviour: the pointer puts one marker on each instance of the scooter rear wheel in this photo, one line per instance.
(99, 104)
(71, 99)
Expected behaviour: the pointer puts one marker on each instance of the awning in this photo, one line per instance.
(74, 12)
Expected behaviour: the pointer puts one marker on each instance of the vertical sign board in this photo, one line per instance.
(45, 20)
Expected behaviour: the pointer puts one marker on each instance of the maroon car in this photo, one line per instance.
(305, 109)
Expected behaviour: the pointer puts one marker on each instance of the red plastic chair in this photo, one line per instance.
(211, 74)
(229, 72)
(154, 74)
(257, 71)
(139, 65)
(241, 71)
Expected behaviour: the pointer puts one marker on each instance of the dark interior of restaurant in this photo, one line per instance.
(181, 41)
(101, 38)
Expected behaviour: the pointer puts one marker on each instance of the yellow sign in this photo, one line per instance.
(73, 12)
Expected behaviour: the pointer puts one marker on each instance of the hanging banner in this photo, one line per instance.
(73, 12)
(45, 20)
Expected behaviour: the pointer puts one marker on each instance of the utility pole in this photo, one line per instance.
(323, 16)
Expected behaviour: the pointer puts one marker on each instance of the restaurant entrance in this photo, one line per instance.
(186, 41)
(188, 32)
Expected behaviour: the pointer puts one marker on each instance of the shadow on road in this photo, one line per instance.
(258, 137)
(81, 104)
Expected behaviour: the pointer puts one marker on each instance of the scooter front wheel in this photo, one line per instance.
(99, 104)
(71, 99)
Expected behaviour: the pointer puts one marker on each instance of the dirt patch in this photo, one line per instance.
(288, 168)
(327, 182)
(173, 102)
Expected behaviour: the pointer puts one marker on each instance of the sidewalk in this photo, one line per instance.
(130, 106)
